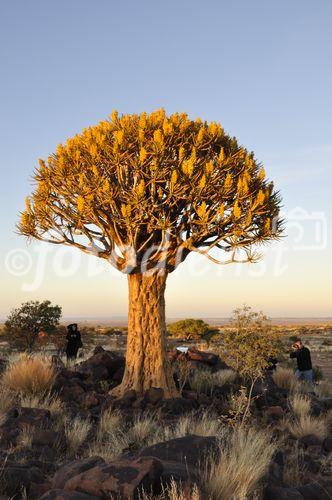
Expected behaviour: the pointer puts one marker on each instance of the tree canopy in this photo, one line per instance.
(31, 317)
(250, 343)
(188, 328)
(142, 191)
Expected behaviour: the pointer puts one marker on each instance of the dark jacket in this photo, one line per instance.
(303, 359)
(74, 342)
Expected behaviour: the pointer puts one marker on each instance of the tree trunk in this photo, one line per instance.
(147, 364)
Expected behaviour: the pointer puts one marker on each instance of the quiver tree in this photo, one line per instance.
(143, 191)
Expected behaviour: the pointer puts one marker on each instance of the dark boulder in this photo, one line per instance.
(102, 365)
(274, 412)
(314, 491)
(19, 418)
(16, 476)
(120, 479)
(67, 495)
(189, 450)
(42, 437)
(278, 493)
(310, 440)
(74, 468)
(154, 395)
(177, 406)
(327, 444)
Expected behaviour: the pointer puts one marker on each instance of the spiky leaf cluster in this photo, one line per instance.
(142, 190)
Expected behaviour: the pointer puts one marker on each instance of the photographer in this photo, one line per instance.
(74, 341)
(304, 365)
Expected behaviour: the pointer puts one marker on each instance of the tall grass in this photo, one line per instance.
(307, 425)
(142, 432)
(45, 401)
(110, 421)
(324, 389)
(29, 375)
(76, 431)
(113, 436)
(300, 405)
(245, 456)
(173, 491)
(285, 378)
(7, 398)
(204, 381)
(204, 425)
(25, 437)
(294, 469)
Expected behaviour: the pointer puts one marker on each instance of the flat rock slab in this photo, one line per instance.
(73, 468)
(119, 479)
(189, 450)
(58, 494)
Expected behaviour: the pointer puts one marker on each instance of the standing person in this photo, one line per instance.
(304, 365)
(74, 341)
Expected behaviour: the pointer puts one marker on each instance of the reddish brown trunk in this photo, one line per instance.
(147, 364)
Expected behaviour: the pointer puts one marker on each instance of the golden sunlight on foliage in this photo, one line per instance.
(165, 180)
(245, 456)
(29, 375)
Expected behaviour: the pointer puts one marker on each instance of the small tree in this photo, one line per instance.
(188, 329)
(249, 344)
(26, 321)
(143, 191)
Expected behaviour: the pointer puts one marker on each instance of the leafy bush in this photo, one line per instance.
(250, 344)
(188, 329)
(31, 318)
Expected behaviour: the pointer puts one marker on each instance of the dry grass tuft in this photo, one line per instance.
(300, 405)
(204, 381)
(25, 437)
(294, 468)
(204, 425)
(110, 422)
(173, 491)
(7, 398)
(110, 449)
(29, 375)
(307, 425)
(76, 432)
(144, 432)
(45, 402)
(245, 458)
(111, 438)
(324, 389)
(285, 378)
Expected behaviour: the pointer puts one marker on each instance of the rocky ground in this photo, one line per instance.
(56, 447)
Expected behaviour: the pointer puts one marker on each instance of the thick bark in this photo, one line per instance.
(147, 364)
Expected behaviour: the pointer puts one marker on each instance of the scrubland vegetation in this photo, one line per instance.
(245, 415)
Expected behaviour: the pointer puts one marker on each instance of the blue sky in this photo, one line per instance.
(263, 69)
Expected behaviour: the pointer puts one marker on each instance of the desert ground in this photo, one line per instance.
(63, 435)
